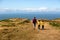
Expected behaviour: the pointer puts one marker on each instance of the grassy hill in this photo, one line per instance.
(15, 29)
(22, 29)
(14, 22)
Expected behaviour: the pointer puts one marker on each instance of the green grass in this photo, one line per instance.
(55, 24)
(6, 20)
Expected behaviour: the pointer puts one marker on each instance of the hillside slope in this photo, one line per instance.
(25, 31)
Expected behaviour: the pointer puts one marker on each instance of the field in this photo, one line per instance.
(22, 29)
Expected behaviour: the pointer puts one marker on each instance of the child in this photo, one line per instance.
(39, 24)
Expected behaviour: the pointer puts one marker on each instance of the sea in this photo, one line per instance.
(29, 16)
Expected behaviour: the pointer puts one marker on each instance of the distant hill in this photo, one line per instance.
(13, 22)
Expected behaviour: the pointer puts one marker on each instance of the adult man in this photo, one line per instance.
(34, 22)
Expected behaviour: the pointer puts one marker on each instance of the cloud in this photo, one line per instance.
(41, 9)
(35, 9)
(7, 9)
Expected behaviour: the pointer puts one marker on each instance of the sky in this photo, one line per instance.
(31, 5)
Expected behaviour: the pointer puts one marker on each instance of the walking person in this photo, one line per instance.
(39, 24)
(34, 22)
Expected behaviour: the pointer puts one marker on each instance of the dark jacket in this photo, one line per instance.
(34, 20)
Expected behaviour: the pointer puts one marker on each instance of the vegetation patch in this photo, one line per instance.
(25, 21)
(55, 24)
(8, 25)
(6, 20)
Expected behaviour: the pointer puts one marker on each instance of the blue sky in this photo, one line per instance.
(33, 4)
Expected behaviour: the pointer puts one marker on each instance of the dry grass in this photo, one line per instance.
(26, 32)
(20, 33)
(8, 31)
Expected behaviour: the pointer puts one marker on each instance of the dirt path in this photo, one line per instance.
(49, 33)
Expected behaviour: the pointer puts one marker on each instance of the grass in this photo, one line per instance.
(8, 25)
(6, 20)
(25, 21)
(55, 24)
(11, 34)
(21, 33)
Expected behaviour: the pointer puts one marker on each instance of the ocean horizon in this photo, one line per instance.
(29, 16)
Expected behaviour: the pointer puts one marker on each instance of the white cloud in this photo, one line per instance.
(41, 9)
(35, 9)
(6, 9)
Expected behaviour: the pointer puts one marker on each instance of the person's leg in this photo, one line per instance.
(34, 26)
(38, 27)
(42, 27)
